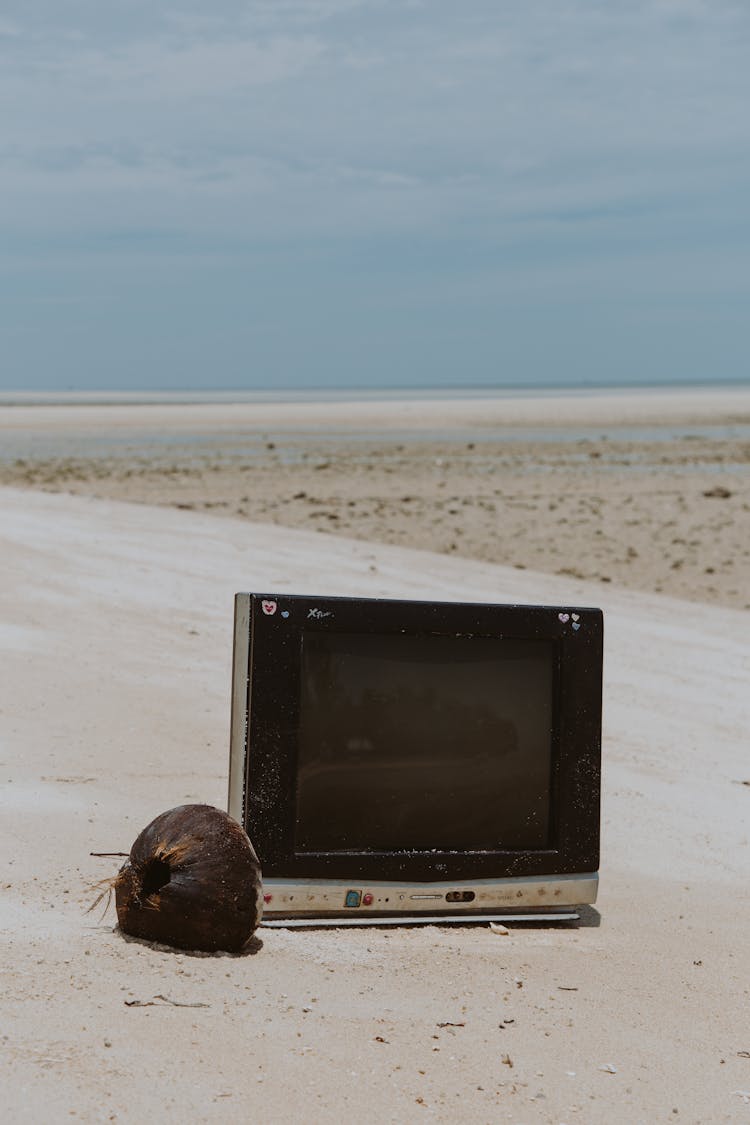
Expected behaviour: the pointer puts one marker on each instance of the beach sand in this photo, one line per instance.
(115, 624)
(648, 491)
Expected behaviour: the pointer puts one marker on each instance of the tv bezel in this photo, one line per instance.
(269, 630)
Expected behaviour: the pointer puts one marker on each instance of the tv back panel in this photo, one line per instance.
(399, 761)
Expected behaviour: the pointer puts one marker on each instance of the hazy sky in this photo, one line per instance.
(290, 193)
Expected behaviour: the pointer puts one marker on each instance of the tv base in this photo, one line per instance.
(561, 915)
(346, 902)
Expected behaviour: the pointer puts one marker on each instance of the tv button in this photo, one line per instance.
(353, 898)
(368, 899)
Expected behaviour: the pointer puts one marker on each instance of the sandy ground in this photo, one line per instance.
(115, 626)
(650, 490)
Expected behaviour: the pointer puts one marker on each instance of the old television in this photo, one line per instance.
(400, 761)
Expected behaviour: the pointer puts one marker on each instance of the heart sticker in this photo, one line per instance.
(576, 625)
(285, 613)
(564, 617)
(575, 616)
(268, 608)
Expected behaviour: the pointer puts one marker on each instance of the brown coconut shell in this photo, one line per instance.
(192, 881)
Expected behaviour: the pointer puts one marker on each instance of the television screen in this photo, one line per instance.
(423, 742)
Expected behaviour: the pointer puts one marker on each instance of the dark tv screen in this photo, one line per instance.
(424, 742)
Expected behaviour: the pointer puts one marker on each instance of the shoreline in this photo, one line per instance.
(478, 408)
(202, 396)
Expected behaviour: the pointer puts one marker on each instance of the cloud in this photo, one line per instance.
(462, 145)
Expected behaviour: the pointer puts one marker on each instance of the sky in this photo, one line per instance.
(304, 193)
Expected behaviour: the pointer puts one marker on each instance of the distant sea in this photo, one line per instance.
(344, 394)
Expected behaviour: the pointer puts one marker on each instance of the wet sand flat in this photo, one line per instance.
(646, 490)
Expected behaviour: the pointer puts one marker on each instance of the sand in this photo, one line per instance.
(648, 491)
(115, 624)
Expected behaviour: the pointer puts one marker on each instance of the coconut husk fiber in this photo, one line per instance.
(192, 881)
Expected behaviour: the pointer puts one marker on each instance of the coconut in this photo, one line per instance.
(192, 881)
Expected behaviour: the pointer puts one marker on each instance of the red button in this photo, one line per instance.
(267, 898)
(367, 900)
